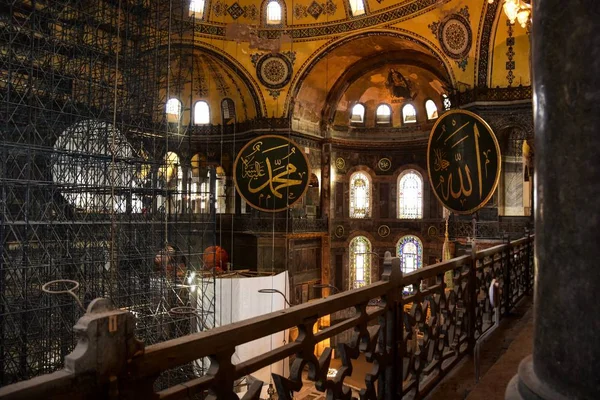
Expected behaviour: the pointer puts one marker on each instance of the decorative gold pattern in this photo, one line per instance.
(274, 70)
(383, 231)
(384, 164)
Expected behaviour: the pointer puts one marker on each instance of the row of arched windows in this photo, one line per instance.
(201, 114)
(383, 113)
(197, 194)
(410, 195)
(409, 249)
(274, 14)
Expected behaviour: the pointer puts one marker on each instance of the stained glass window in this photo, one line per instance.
(360, 262)
(431, 108)
(360, 198)
(201, 113)
(410, 195)
(357, 7)
(410, 251)
(409, 114)
(358, 114)
(384, 114)
(273, 13)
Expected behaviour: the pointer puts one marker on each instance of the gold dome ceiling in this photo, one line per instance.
(302, 64)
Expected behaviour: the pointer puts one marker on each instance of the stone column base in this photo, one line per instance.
(527, 386)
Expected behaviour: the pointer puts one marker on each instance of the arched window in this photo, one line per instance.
(173, 107)
(410, 251)
(446, 101)
(358, 114)
(201, 113)
(410, 195)
(384, 114)
(409, 114)
(360, 262)
(360, 195)
(197, 8)
(273, 13)
(431, 108)
(357, 7)
(70, 170)
(228, 111)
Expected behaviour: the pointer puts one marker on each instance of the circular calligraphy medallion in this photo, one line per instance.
(463, 161)
(274, 70)
(271, 173)
(384, 164)
(455, 36)
(432, 231)
(383, 231)
(339, 231)
(340, 163)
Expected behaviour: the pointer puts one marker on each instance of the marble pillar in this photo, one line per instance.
(565, 363)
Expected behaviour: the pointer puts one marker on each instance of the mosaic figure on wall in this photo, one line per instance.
(399, 86)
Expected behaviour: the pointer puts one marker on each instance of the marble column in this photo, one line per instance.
(566, 81)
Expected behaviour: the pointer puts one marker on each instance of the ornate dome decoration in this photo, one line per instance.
(455, 36)
(274, 70)
(199, 75)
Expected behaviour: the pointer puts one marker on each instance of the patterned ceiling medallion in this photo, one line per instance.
(274, 70)
(340, 163)
(384, 164)
(339, 231)
(383, 231)
(456, 37)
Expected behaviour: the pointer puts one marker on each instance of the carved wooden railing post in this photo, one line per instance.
(528, 272)
(392, 375)
(472, 290)
(305, 356)
(507, 265)
(223, 370)
(95, 368)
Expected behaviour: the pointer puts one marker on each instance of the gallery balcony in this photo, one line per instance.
(413, 329)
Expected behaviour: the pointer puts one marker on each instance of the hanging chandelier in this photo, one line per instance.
(517, 10)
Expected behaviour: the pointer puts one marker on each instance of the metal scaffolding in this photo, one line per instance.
(93, 185)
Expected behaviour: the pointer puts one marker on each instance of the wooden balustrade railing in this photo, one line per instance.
(419, 328)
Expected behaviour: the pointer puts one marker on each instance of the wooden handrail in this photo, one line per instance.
(175, 352)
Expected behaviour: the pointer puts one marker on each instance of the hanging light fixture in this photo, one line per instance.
(511, 9)
(517, 10)
(524, 15)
